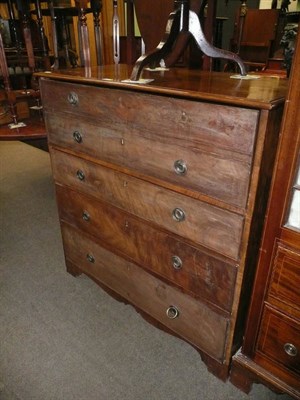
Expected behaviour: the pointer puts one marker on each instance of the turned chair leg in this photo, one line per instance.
(84, 43)
(54, 35)
(96, 6)
(16, 42)
(24, 11)
(46, 59)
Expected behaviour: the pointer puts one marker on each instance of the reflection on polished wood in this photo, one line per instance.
(34, 129)
(184, 82)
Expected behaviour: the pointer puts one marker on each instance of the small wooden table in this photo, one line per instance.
(34, 129)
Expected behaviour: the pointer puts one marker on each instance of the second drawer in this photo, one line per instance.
(207, 225)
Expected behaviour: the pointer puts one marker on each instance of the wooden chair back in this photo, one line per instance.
(254, 34)
(94, 7)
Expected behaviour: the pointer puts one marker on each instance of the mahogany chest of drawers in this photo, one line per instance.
(161, 191)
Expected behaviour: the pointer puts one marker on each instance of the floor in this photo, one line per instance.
(63, 338)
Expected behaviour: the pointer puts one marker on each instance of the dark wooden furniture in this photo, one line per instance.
(184, 24)
(131, 45)
(28, 46)
(25, 61)
(161, 190)
(63, 32)
(271, 349)
(81, 10)
(254, 33)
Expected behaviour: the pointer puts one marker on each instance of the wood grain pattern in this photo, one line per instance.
(203, 275)
(160, 117)
(120, 176)
(274, 316)
(277, 331)
(204, 224)
(149, 294)
(263, 93)
(214, 141)
(285, 279)
(219, 173)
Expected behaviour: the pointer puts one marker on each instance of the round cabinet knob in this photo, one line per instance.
(176, 262)
(86, 216)
(172, 312)
(180, 167)
(73, 98)
(178, 214)
(290, 349)
(80, 175)
(90, 258)
(77, 137)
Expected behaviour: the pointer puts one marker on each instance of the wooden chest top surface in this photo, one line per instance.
(265, 92)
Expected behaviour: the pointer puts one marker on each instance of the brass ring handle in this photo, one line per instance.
(176, 262)
(86, 216)
(80, 175)
(77, 136)
(178, 214)
(172, 312)
(73, 98)
(180, 167)
(290, 349)
(90, 258)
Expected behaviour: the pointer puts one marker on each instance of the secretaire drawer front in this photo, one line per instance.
(221, 174)
(185, 265)
(81, 100)
(285, 280)
(167, 118)
(184, 315)
(205, 224)
(280, 339)
(80, 135)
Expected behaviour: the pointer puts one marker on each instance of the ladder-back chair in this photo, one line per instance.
(254, 45)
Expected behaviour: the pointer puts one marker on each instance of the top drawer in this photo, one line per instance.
(232, 128)
(200, 146)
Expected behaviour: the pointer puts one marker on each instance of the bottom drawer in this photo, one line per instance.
(185, 316)
(280, 339)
